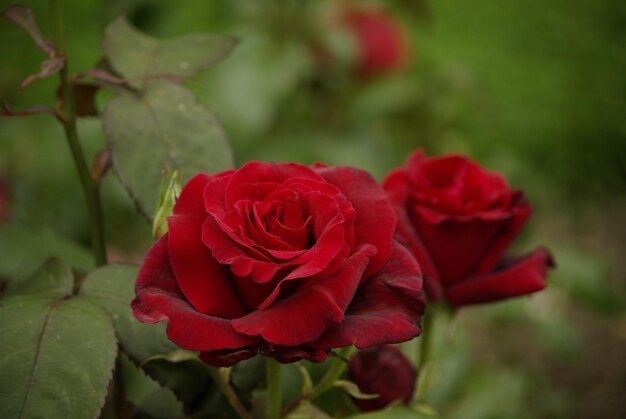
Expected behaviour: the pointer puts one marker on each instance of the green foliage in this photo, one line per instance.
(23, 249)
(147, 395)
(164, 127)
(53, 278)
(135, 55)
(396, 411)
(112, 287)
(46, 331)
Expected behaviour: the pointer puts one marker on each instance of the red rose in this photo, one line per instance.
(384, 371)
(381, 41)
(458, 219)
(280, 259)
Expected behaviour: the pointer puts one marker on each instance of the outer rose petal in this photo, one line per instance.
(375, 218)
(521, 211)
(287, 354)
(159, 299)
(305, 315)
(227, 358)
(205, 282)
(457, 247)
(523, 277)
(386, 309)
(397, 185)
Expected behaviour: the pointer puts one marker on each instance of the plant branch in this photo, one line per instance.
(227, 390)
(328, 380)
(274, 391)
(425, 338)
(67, 116)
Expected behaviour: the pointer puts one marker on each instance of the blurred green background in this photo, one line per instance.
(533, 89)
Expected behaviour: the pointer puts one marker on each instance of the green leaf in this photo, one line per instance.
(23, 249)
(353, 390)
(307, 410)
(134, 54)
(396, 411)
(112, 287)
(188, 377)
(56, 357)
(147, 394)
(53, 279)
(164, 128)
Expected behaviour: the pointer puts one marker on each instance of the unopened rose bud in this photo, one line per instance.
(168, 194)
(385, 371)
(381, 41)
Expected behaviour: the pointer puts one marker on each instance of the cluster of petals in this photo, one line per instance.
(281, 259)
(458, 219)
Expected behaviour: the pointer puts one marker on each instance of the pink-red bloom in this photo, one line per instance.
(280, 259)
(458, 219)
(385, 371)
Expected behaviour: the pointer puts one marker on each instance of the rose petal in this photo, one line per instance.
(228, 357)
(521, 211)
(524, 277)
(206, 284)
(304, 315)
(375, 221)
(288, 354)
(255, 171)
(159, 299)
(456, 247)
(397, 186)
(386, 309)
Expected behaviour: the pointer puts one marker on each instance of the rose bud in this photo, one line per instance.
(458, 219)
(385, 371)
(280, 259)
(367, 38)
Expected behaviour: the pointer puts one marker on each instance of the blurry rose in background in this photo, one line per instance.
(367, 39)
(385, 371)
(5, 199)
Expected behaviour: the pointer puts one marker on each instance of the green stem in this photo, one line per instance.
(328, 380)
(333, 373)
(67, 117)
(227, 390)
(424, 346)
(274, 392)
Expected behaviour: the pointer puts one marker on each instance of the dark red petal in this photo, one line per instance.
(227, 252)
(375, 221)
(386, 309)
(397, 185)
(521, 211)
(305, 315)
(159, 299)
(524, 277)
(205, 283)
(456, 247)
(255, 171)
(287, 354)
(228, 357)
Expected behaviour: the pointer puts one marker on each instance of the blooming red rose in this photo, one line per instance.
(385, 371)
(458, 220)
(280, 259)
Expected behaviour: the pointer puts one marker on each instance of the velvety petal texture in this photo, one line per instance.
(458, 219)
(284, 260)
